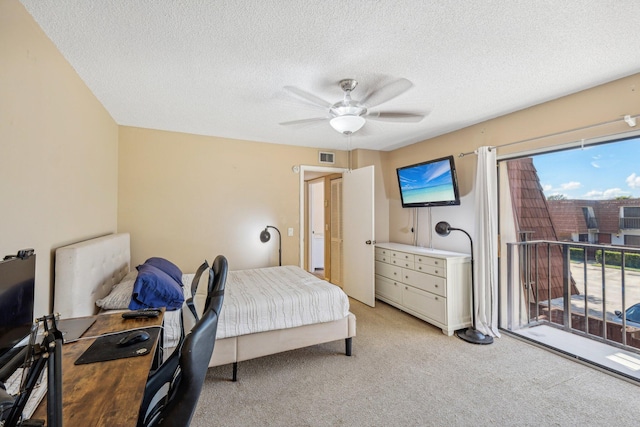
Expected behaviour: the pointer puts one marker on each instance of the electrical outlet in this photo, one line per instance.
(290, 231)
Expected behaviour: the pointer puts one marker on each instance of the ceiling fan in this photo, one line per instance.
(348, 115)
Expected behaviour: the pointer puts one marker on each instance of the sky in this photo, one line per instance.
(599, 172)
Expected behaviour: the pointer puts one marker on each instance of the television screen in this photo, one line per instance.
(17, 281)
(431, 183)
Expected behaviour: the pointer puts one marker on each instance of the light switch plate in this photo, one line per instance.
(290, 231)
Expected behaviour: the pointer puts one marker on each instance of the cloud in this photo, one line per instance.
(612, 193)
(595, 165)
(573, 185)
(633, 180)
(593, 194)
(609, 194)
(567, 186)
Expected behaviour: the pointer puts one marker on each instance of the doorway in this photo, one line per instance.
(317, 227)
(320, 199)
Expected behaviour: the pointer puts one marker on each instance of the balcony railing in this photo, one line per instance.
(627, 223)
(565, 285)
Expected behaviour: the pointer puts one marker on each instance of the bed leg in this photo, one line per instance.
(347, 346)
(235, 372)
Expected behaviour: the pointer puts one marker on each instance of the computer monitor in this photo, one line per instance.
(17, 283)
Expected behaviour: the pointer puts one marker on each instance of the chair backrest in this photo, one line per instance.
(181, 377)
(194, 361)
(190, 315)
(220, 268)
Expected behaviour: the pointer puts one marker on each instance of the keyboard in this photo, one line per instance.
(37, 394)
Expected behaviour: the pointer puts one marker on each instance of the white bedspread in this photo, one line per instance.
(272, 298)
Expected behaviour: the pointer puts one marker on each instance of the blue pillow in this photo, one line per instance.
(154, 288)
(167, 266)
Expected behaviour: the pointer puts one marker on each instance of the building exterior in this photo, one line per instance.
(614, 222)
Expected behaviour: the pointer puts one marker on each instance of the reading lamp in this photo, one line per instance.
(265, 236)
(471, 334)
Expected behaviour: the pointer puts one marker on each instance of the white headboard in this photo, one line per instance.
(86, 271)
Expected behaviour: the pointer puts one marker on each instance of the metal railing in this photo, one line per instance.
(564, 285)
(629, 223)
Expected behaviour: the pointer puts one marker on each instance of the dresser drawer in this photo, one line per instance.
(388, 288)
(430, 269)
(403, 262)
(382, 256)
(387, 270)
(436, 262)
(402, 256)
(425, 303)
(382, 251)
(426, 282)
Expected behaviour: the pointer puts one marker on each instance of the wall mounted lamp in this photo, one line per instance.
(265, 236)
(471, 335)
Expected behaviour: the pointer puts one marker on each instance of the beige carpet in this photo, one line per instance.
(404, 372)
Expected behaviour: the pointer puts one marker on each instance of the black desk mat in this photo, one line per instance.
(106, 347)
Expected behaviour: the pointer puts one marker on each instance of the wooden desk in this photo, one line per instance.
(104, 393)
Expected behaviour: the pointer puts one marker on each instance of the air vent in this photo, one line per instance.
(326, 157)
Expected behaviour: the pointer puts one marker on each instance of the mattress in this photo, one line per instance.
(266, 299)
(272, 298)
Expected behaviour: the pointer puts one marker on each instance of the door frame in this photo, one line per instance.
(303, 169)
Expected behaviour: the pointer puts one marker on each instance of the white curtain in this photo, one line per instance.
(486, 243)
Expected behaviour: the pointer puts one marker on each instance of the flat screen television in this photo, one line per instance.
(17, 283)
(430, 183)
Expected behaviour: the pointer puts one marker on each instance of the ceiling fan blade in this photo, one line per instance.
(309, 97)
(398, 117)
(304, 121)
(387, 92)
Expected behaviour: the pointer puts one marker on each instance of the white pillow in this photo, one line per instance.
(120, 295)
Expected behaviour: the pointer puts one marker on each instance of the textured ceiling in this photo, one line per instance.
(219, 67)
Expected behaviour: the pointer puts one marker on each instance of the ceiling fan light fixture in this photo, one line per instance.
(347, 124)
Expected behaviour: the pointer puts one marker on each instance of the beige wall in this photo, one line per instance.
(189, 197)
(58, 150)
(67, 172)
(611, 101)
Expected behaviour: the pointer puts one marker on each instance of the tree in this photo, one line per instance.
(557, 197)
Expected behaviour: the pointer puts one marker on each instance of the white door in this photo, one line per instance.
(316, 225)
(358, 234)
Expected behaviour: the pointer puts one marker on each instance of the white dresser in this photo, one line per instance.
(430, 284)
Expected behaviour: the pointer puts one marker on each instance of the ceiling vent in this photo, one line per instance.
(326, 157)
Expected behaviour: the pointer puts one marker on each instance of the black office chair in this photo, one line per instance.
(220, 267)
(172, 391)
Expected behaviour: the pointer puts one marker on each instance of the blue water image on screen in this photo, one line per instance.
(431, 182)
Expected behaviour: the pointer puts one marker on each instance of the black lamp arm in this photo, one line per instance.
(279, 243)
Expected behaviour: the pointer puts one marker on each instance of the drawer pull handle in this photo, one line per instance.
(436, 298)
(436, 271)
(436, 286)
(419, 268)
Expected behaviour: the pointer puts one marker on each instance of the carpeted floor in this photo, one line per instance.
(404, 372)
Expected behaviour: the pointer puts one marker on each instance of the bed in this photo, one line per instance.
(90, 271)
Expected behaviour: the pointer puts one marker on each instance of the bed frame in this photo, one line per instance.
(86, 272)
